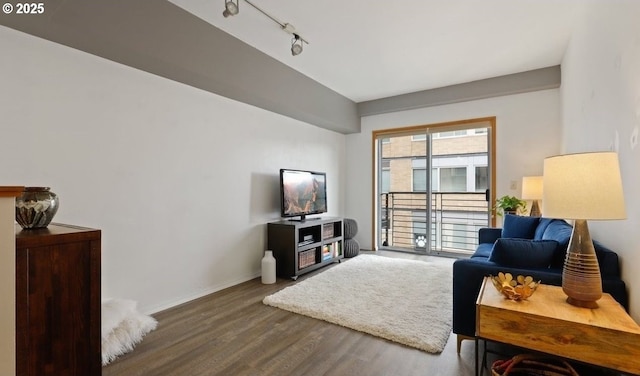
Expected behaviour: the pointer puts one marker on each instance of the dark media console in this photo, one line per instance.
(303, 246)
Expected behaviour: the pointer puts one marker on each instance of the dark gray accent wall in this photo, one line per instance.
(161, 38)
(539, 79)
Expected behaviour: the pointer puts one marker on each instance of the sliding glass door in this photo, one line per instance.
(432, 186)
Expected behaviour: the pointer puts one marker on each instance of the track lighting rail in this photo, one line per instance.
(233, 7)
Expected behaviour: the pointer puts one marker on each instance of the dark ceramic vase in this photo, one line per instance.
(36, 207)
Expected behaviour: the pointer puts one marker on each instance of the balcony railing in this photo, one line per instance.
(456, 218)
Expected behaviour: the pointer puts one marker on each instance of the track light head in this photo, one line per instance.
(296, 49)
(231, 8)
(296, 45)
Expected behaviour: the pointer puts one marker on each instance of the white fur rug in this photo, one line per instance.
(405, 301)
(123, 327)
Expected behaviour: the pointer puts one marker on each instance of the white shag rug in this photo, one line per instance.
(405, 301)
(123, 327)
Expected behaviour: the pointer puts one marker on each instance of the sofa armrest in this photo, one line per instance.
(607, 260)
(489, 235)
(618, 290)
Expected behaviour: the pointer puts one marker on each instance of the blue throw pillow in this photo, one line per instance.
(560, 231)
(523, 253)
(542, 227)
(517, 226)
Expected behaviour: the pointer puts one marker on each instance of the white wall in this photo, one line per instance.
(180, 181)
(601, 109)
(527, 131)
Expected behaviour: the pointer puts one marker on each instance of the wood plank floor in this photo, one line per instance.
(232, 333)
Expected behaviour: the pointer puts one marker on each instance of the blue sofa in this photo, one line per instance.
(524, 246)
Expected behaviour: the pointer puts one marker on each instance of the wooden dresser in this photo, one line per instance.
(58, 301)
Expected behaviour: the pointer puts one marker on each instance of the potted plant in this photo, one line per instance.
(509, 205)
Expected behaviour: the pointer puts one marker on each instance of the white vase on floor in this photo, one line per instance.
(268, 268)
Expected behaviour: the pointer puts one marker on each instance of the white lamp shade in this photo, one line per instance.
(583, 186)
(532, 187)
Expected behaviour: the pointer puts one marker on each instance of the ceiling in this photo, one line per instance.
(367, 49)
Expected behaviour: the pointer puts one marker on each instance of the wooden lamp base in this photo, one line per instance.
(581, 303)
(535, 209)
(581, 279)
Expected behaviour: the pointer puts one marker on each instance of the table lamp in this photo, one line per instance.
(585, 186)
(532, 190)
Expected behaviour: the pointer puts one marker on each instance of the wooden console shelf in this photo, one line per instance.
(303, 246)
(58, 301)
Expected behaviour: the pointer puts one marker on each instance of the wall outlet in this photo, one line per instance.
(513, 185)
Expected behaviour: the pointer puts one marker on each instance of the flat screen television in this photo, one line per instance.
(302, 193)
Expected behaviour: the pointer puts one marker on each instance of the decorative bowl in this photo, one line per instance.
(517, 289)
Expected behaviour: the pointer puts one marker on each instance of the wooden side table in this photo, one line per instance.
(606, 336)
